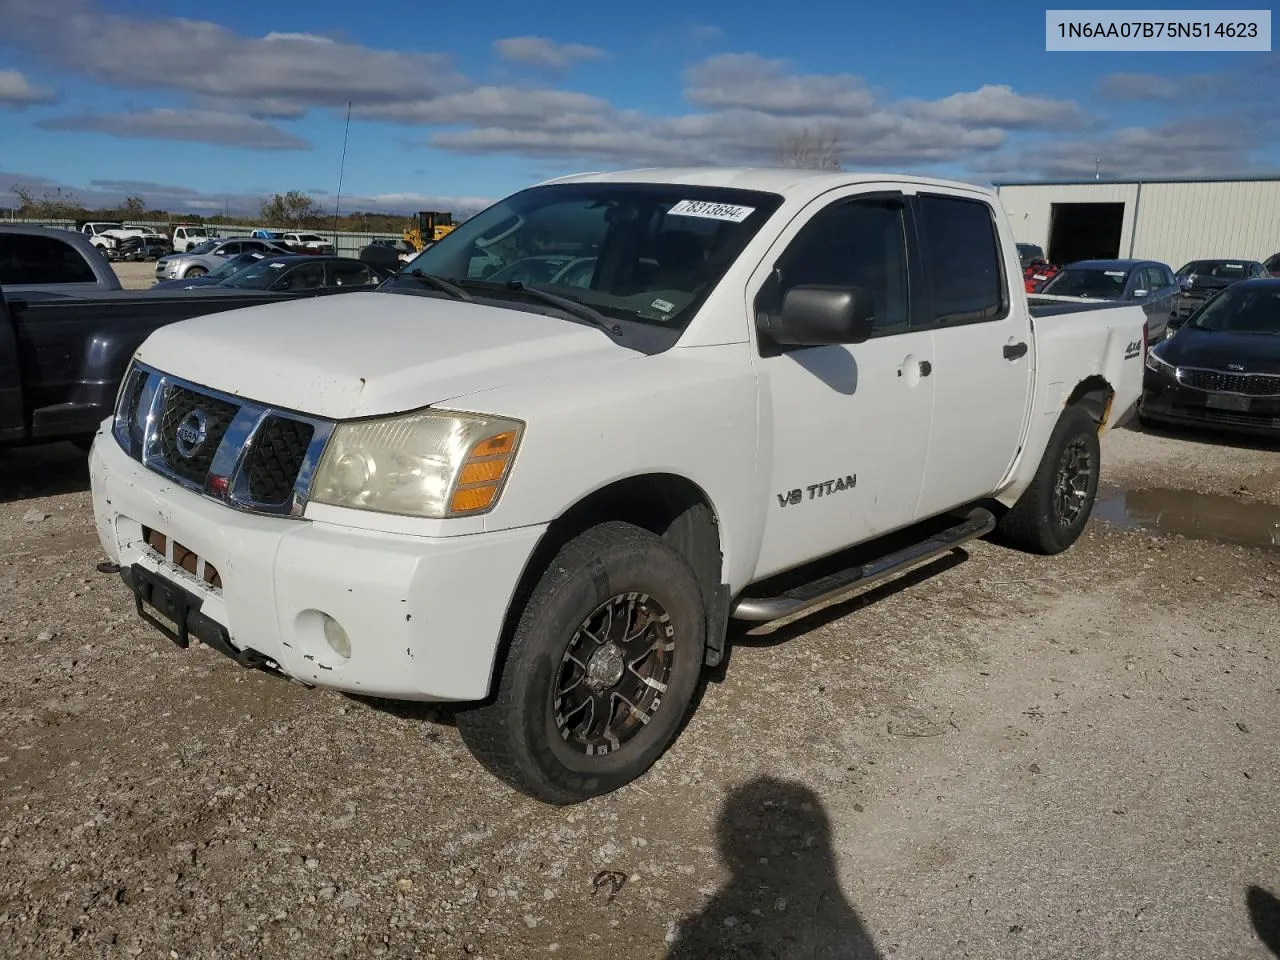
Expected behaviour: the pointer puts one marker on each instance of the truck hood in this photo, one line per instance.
(366, 354)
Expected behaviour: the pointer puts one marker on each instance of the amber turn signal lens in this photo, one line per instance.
(481, 475)
(468, 499)
(501, 445)
(481, 471)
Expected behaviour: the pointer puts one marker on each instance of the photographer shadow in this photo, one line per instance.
(783, 899)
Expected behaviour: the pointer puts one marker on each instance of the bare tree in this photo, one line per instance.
(292, 209)
(811, 150)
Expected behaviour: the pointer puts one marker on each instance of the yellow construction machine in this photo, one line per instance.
(430, 226)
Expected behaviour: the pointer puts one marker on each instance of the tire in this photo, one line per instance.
(517, 735)
(1036, 524)
(193, 272)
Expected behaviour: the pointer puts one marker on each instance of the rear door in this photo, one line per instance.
(982, 371)
(1160, 298)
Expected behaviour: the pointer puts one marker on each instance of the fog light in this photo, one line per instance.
(339, 642)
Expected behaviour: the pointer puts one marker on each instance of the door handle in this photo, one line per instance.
(1014, 351)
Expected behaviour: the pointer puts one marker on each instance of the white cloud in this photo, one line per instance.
(501, 105)
(750, 81)
(997, 105)
(198, 126)
(201, 57)
(16, 91)
(1207, 146)
(545, 54)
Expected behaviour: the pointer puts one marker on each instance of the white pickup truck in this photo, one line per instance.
(542, 487)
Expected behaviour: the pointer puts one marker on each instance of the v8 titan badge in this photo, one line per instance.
(816, 490)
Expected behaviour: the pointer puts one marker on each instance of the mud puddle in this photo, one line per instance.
(1198, 516)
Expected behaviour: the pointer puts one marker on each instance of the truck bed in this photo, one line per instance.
(62, 355)
(1040, 306)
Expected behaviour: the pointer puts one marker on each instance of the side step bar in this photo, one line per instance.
(977, 523)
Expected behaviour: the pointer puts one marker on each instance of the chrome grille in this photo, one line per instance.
(248, 455)
(275, 458)
(1220, 381)
(181, 406)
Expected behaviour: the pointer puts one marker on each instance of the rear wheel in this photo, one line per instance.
(1052, 512)
(601, 669)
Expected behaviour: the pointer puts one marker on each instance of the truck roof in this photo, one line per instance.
(788, 182)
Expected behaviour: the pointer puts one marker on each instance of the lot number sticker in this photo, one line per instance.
(711, 211)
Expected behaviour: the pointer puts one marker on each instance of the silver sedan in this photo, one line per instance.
(210, 255)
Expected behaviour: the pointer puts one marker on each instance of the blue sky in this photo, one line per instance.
(200, 105)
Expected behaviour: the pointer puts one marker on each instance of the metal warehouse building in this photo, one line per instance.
(1172, 221)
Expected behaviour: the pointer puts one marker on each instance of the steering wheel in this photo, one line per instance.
(485, 242)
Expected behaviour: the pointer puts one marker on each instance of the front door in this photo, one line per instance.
(982, 341)
(844, 429)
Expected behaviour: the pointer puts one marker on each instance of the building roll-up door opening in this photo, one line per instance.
(1084, 231)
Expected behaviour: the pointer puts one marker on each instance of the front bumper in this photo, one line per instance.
(424, 616)
(1167, 401)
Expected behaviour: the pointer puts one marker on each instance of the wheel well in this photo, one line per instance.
(670, 506)
(1095, 395)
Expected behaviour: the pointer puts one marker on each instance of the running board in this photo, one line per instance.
(977, 523)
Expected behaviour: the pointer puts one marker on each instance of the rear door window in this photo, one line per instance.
(962, 250)
(351, 275)
(38, 260)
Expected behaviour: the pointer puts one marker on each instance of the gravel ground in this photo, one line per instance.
(1017, 757)
(136, 275)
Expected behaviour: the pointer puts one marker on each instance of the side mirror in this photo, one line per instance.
(820, 315)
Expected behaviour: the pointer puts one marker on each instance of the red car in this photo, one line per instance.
(1035, 274)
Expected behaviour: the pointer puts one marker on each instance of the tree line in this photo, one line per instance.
(292, 210)
(295, 210)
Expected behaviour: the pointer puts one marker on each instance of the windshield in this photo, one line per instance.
(1241, 310)
(202, 248)
(1087, 282)
(1215, 268)
(634, 251)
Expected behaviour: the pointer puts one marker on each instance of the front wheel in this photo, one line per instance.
(600, 672)
(1052, 512)
(193, 272)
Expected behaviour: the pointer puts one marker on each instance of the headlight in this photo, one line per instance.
(1158, 365)
(435, 463)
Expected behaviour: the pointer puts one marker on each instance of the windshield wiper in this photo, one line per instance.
(439, 283)
(578, 309)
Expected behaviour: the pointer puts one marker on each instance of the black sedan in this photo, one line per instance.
(1222, 367)
(1148, 283)
(323, 274)
(232, 266)
(1201, 279)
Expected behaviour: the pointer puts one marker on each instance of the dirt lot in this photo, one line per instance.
(136, 276)
(1018, 757)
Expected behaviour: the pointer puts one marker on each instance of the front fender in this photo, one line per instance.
(690, 413)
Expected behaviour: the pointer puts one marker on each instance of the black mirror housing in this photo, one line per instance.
(821, 315)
